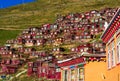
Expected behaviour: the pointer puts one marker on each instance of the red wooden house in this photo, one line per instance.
(30, 65)
(87, 15)
(95, 29)
(85, 35)
(98, 48)
(6, 54)
(46, 26)
(39, 42)
(19, 39)
(94, 12)
(33, 33)
(81, 48)
(38, 53)
(28, 51)
(10, 41)
(58, 41)
(25, 31)
(10, 66)
(29, 42)
(43, 68)
(33, 29)
(21, 49)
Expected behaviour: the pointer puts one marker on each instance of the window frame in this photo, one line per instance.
(109, 60)
(118, 52)
(113, 57)
(81, 73)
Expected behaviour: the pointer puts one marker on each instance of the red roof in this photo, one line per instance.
(71, 62)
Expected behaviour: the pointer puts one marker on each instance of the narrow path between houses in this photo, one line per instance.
(18, 74)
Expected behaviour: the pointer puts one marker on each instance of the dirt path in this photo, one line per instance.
(10, 29)
(18, 75)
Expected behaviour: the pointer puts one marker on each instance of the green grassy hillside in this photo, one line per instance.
(45, 11)
(7, 35)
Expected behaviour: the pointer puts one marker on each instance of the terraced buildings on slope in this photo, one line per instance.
(77, 29)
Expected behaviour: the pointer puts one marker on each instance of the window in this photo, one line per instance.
(65, 79)
(85, 49)
(113, 57)
(109, 60)
(118, 53)
(91, 30)
(88, 37)
(72, 75)
(81, 74)
(93, 27)
(101, 49)
(96, 30)
(43, 70)
(73, 49)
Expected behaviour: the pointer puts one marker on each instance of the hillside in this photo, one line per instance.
(52, 31)
(42, 11)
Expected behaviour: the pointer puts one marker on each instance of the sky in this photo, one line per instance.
(8, 3)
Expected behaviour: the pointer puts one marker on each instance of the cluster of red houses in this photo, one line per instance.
(78, 27)
(44, 67)
(94, 48)
(10, 66)
(66, 28)
(10, 59)
(69, 28)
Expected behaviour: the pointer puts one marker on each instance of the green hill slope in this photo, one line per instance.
(45, 11)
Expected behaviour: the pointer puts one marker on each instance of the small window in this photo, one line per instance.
(91, 30)
(101, 49)
(96, 30)
(93, 27)
(82, 50)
